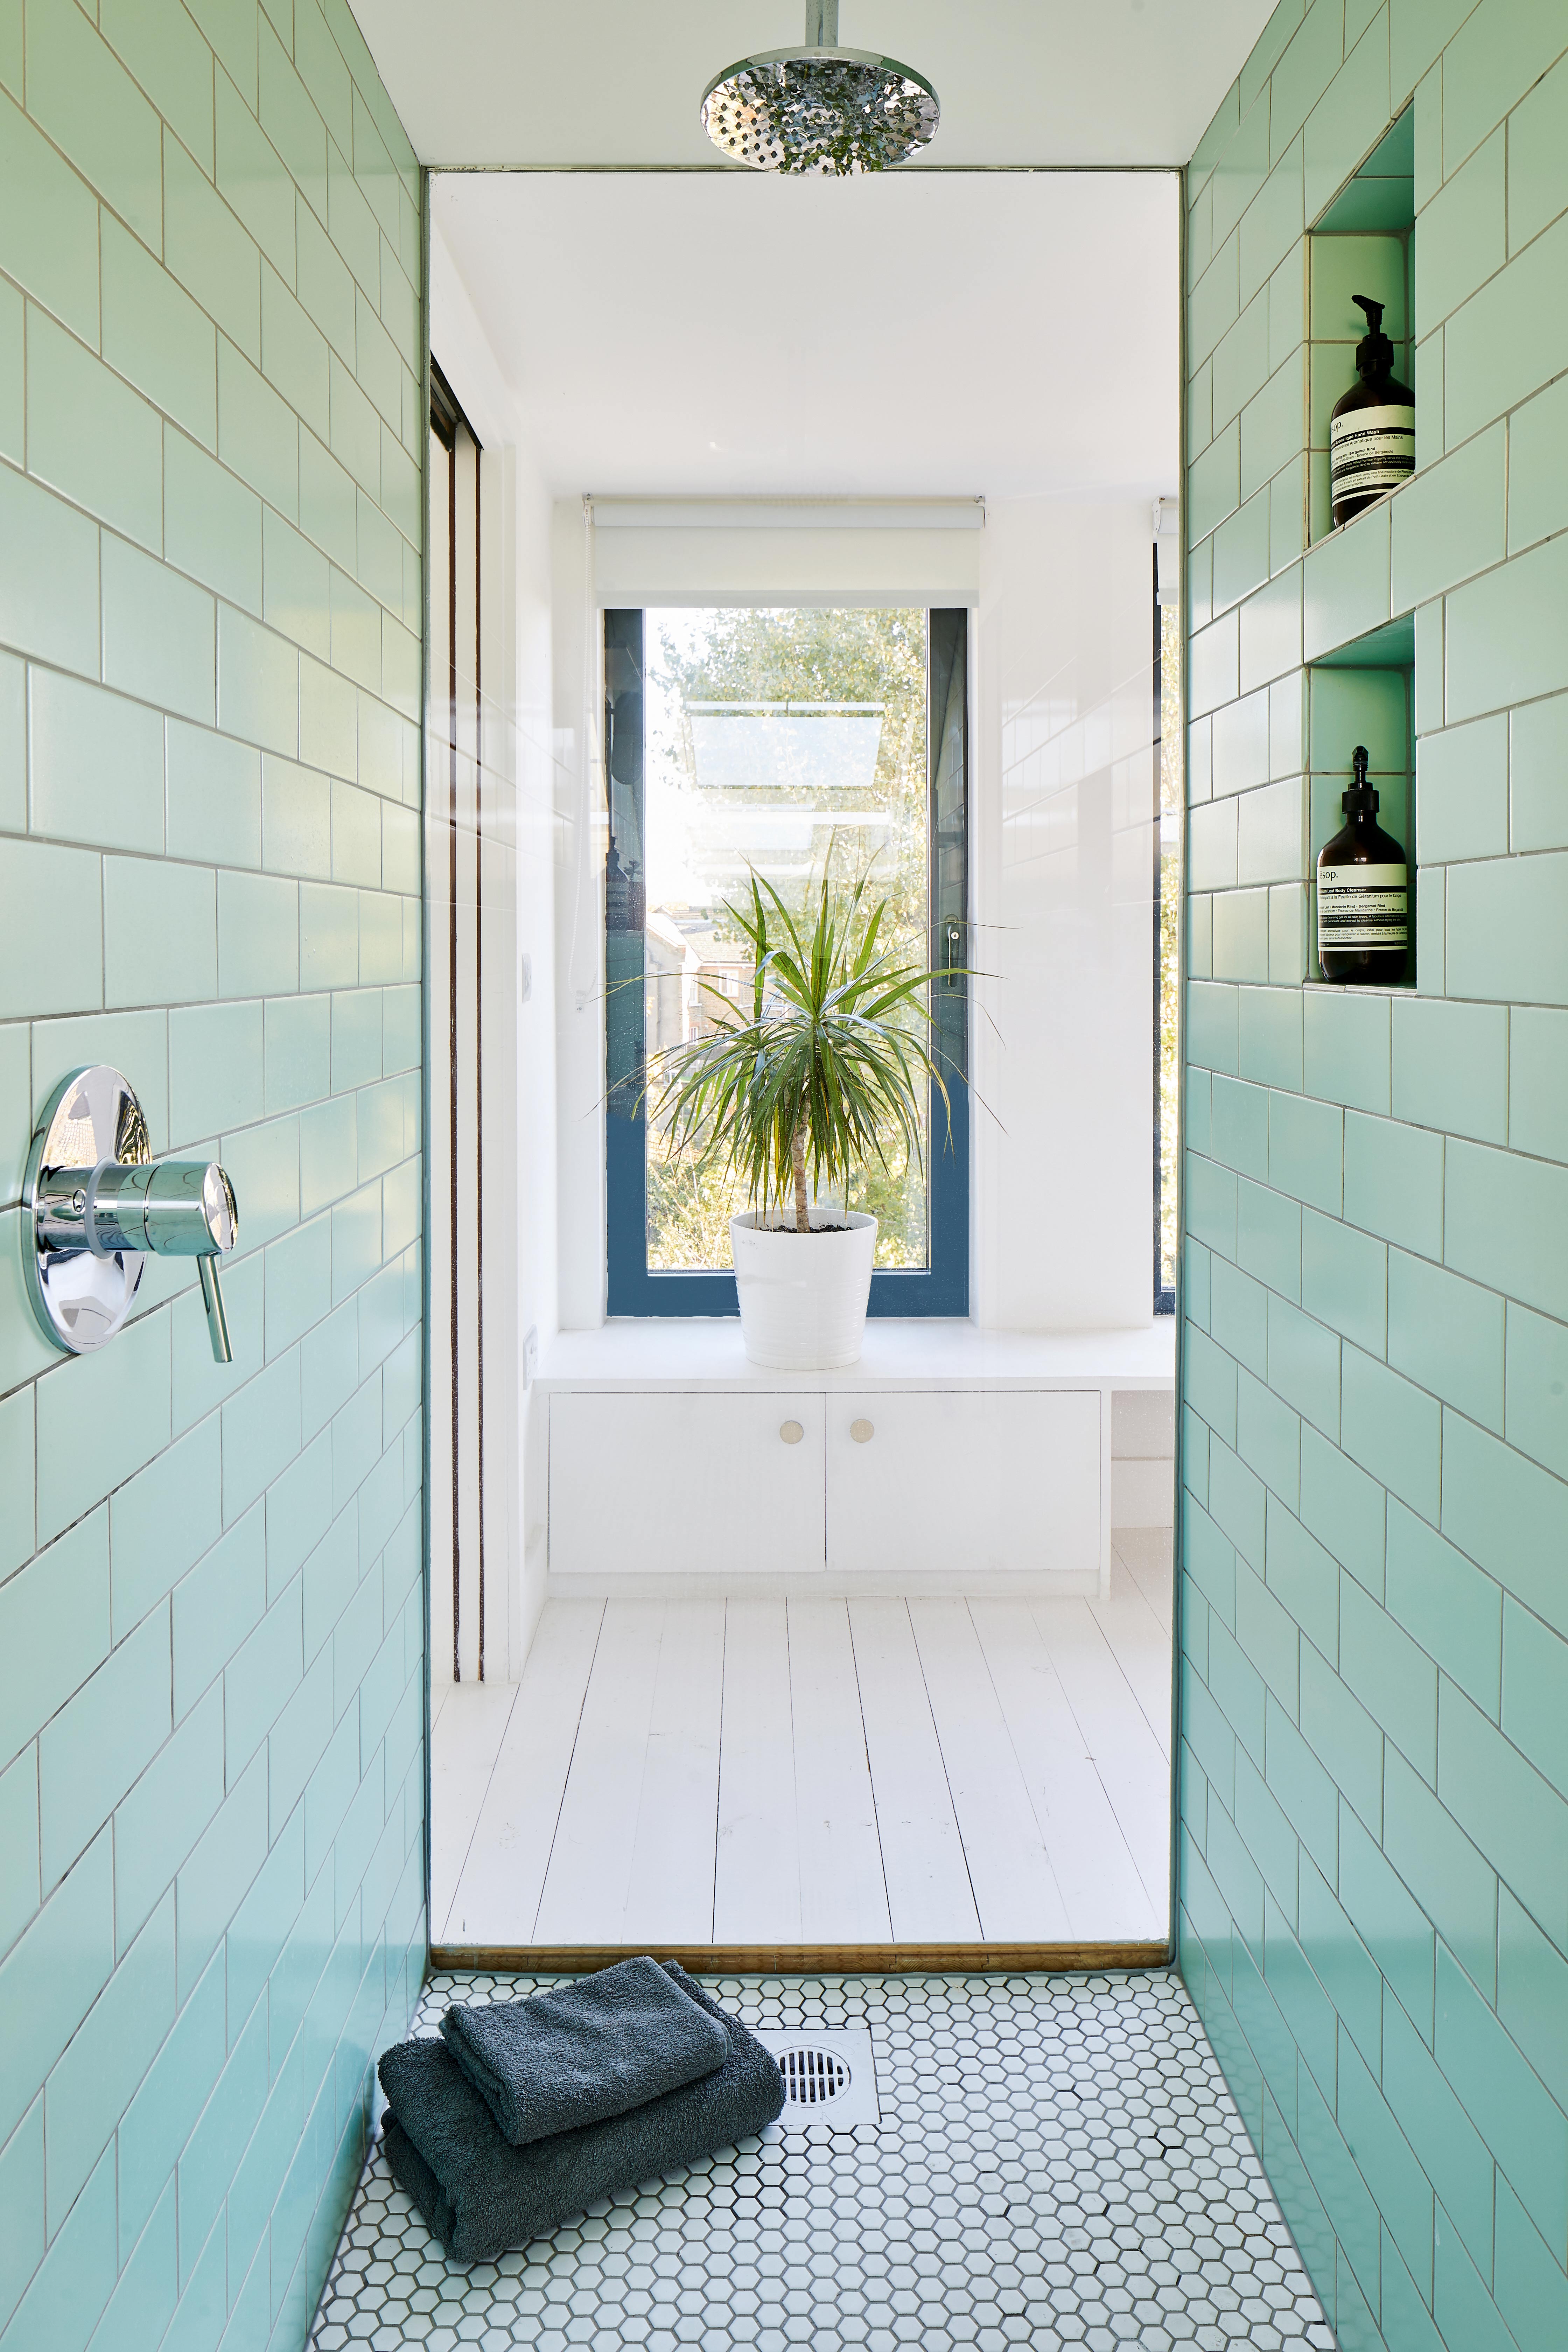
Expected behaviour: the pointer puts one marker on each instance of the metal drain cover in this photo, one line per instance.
(830, 2076)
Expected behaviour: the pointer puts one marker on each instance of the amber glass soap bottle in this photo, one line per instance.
(1372, 432)
(1362, 893)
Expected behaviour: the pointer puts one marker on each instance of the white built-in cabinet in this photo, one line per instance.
(868, 1487)
(673, 1470)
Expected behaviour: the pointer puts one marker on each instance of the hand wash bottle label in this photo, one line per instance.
(1372, 432)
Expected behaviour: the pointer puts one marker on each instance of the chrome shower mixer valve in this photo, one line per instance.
(100, 1204)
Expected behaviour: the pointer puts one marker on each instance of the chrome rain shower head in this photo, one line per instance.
(820, 108)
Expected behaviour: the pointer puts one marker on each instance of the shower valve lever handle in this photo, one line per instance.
(101, 1205)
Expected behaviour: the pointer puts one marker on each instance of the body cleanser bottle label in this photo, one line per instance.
(1363, 907)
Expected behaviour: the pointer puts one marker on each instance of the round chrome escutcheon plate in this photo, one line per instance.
(80, 1297)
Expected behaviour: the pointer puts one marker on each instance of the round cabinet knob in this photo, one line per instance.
(791, 1431)
(862, 1431)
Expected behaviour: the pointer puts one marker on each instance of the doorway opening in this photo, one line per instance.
(871, 1666)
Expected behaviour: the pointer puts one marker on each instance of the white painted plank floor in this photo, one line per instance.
(817, 1771)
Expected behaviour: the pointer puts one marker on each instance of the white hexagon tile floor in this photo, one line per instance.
(1058, 2164)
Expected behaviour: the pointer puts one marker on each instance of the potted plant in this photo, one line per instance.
(825, 1074)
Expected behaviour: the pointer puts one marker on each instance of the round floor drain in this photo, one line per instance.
(813, 2077)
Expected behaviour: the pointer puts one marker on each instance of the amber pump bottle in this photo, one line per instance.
(1362, 893)
(1372, 432)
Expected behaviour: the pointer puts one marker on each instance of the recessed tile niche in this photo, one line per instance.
(1364, 244)
(1363, 693)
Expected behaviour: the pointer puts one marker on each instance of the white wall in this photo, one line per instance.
(1063, 893)
(1062, 877)
(520, 1247)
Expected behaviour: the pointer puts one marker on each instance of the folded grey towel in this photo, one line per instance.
(480, 2195)
(589, 2049)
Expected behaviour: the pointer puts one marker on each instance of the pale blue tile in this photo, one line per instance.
(1462, 791)
(54, 1627)
(1344, 1280)
(1306, 1151)
(220, 1867)
(89, 436)
(1447, 1335)
(58, 1968)
(257, 684)
(214, 798)
(258, 1679)
(161, 1818)
(1268, 1239)
(1345, 1048)
(42, 969)
(21, 2186)
(1393, 1182)
(297, 1052)
(1447, 1605)
(261, 1433)
(1450, 1066)
(257, 926)
(1511, 1813)
(17, 1517)
(327, 1168)
(1535, 1693)
(213, 2154)
(75, 2277)
(212, 523)
(158, 635)
(1507, 2103)
(1536, 1387)
(159, 2120)
(160, 1522)
(143, 2303)
(91, 2084)
(96, 1747)
(1505, 1218)
(1533, 1994)
(1538, 746)
(160, 932)
(1344, 1508)
(12, 743)
(1304, 1365)
(123, 1394)
(1501, 644)
(356, 1038)
(19, 1881)
(1394, 1430)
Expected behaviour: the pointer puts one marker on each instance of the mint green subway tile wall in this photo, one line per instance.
(211, 1618)
(1374, 1433)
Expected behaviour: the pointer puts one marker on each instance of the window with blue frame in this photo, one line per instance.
(784, 742)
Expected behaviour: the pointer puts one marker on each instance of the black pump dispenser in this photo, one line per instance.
(1362, 892)
(1375, 353)
(1372, 432)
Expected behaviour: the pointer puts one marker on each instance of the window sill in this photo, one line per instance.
(705, 1353)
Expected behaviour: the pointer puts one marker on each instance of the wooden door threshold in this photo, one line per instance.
(804, 1959)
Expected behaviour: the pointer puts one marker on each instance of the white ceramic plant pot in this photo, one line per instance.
(802, 1296)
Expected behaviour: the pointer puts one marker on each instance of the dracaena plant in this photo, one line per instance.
(828, 1071)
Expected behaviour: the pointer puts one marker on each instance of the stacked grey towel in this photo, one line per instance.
(526, 2112)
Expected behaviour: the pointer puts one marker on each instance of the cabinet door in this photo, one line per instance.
(669, 1483)
(965, 1483)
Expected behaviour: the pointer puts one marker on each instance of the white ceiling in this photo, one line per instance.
(620, 81)
(993, 334)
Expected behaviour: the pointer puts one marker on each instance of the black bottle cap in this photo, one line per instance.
(1361, 799)
(1375, 353)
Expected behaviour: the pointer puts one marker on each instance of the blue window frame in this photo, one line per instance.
(940, 1287)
